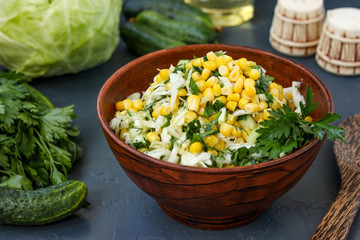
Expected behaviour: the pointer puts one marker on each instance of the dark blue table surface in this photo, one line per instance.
(120, 210)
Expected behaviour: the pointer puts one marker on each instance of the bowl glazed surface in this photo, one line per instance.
(210, 198)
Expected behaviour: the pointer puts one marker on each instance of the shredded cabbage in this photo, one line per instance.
(176, 134)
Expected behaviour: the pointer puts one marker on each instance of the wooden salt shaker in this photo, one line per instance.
(339, 48)
(296, 26)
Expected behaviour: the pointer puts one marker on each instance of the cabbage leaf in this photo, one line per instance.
(56, 37)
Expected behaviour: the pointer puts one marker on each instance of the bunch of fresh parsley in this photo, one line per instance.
(36, 147)
(286, 131)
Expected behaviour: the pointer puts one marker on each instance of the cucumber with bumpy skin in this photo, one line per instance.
(142, 39)
(187, 32)
(175, 9)
(41, 206)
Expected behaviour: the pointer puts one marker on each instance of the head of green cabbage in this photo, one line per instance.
(55, 37)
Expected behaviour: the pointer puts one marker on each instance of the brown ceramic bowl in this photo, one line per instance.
(210, 198)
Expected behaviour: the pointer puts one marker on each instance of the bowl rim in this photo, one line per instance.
(178, 167)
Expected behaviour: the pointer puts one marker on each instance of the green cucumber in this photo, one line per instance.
(175, 9)
(248, 122)
(187, 32)
(142, 39)
(41, 206)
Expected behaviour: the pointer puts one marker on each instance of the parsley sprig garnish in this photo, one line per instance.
(285, 130)
(36, 149)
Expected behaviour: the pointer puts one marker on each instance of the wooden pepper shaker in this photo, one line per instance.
(339, 48)
(296, 26)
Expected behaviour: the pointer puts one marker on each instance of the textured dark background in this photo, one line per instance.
(120, 210)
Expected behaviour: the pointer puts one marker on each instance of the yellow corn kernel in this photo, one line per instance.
(242, 62)
(308, 118)
(288, 96)
(205, 74)
(133, 110)
(153, 85)
(251, 63)
(156, 112)
(196, 76)
(266, 114)
(122, 132)
(217, 89)
(228, 58)
(226, 90)
(209, 94)
(291, 104)
(235, 74)
(138, 104)
(200, 94)
(196, 147)
(211, 81)
(213, 152)
(168, 86)
(211, 140)
(243, 95)
(207, 120)
(165, 110)
(255, 99)
(246, 72)
(182, 92)
(236, 133)
(275, 92)
(188, 65)
(164, 74)
(226, 129)
(249, 82)
(233, 97)
(240, 140)
(231, 105)
(231, 65)
(250, 91)
(220, 145)
(273, 86)
(230, 119)
(263, 105)
(190, 116)
(119, 106)
(211, 56)
(224, 70)
(258, 117)
(177, 101)
(222, 99)
(221, 61)
(275, 105)
(201, 110)
(252, 107)
(142, 150)
(193, 102)
(211, 65)
(242, 103)
(254, 74)
(158, 79)
(198, 62)
(152, 136)
(201, 85)
(123, 113)
(176, 106)
(239, 85)
(128, 103)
